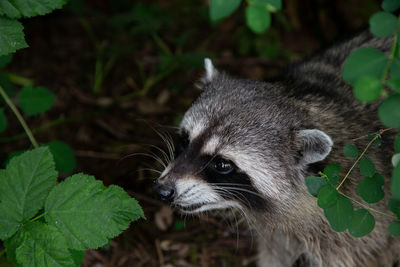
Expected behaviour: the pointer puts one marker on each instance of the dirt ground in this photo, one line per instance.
(123, 71)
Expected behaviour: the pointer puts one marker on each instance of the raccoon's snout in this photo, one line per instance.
(166, 192)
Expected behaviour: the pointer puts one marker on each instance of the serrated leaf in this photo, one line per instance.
(3, 120)
(370, 190)
(394, 228)
(35, 101)
(364, 62)
(220, 9)
(4, 60)
(258, 18)
(16, 9)
(11, 244)
(88, 213)
(389, 111)
(397, 143)
(43, 245)
(350, 151)
(327, 196)
(339, 215)
(11, 36)
(314, 184)
(394, 205)
(77, 256)
(63, 156)
(390, 5)
(394, 84)
(367, 89)
(362, 223)
(332, 171)
(367, 167)
(383, 24)
(24, 186)
(395, 187)
(395, 159)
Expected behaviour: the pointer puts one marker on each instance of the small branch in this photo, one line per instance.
(367, 207)
(358, 159)
(380, 132)
(19, 117)
(37, 217)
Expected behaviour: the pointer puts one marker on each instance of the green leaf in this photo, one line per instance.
(367, 167)
(314, 184)
(88, 213)
(63, 156)
(11, 36)
(35, 101)
(24, 186)
(370, 190)
(220, 9)
(339, 215)
(394, 228)
(327, 196)
(43, 245)
(77, 256)
(367, 89)
(4, 60)
(397, 143)
(395, 159)
(332, 171)
(362, 223)
(389, 111)
(258, 18)
(394, 84)
(395, 188)
(364, 62)
(390, 5)
(394, 205)
(350, 151)
(3, 120)
(395, 69)
(11, 244)
(383, 24)
(271, 5)
(16, 9)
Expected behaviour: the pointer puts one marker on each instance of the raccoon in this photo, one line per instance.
(248, 145)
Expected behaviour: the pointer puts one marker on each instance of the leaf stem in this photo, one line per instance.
(358, 159)
(19, 117)
(367, 207)
(37, 217)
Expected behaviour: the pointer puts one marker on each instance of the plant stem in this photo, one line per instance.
(19, 117)
(367, 207)
(37, 217)
(2, 252)
(358, 159)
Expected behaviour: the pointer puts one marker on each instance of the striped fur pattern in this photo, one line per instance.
(248, 145)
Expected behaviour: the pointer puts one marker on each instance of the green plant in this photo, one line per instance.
(372, 75)
(44, 224)
(258, 12)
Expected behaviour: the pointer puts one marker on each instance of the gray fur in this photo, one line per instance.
(274, 131)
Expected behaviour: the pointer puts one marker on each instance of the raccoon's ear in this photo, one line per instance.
(211, 71)
(314, 145)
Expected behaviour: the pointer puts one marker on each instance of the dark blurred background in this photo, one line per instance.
(124, 70)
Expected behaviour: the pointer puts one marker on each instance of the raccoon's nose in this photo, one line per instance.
(165, 192)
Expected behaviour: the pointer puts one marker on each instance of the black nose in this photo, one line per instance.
(165, 192)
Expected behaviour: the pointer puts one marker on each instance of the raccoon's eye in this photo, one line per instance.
(223, 166)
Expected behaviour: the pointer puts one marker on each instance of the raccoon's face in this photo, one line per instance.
(242, 146)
